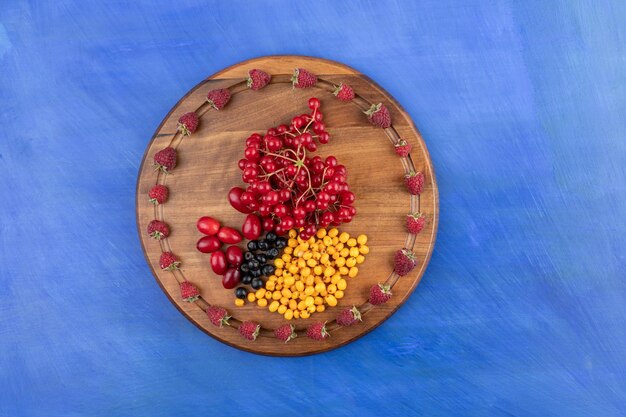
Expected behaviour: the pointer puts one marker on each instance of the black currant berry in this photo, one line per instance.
(241, 292)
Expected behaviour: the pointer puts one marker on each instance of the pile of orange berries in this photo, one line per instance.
(311, 273)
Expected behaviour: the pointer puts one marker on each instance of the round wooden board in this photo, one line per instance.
(207, 169)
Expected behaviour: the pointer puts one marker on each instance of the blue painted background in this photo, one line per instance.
(522, 310)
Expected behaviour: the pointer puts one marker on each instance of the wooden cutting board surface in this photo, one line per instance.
(207, 169)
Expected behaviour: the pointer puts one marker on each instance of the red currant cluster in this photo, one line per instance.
(287, 187)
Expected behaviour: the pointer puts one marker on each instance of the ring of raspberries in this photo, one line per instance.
(288, 189)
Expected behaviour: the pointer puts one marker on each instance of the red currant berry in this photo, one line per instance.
(263, 187)
(299, 212)
(242, 164)
(314, 103)
(323, 196)
(310, 229)
(254, 139)
(309, 206)
(265, 210)
(268, 224)
(298, 223)
(252, 154)
(347, 197)
(270, 167)
(340, 178)
(297, 122)
(252, 170)
(328, 217)
(311, 147)
(332, 187)
(280, 210)
(322, 205)
(317, 167)
(316, 181)
(318, 116)
(271, 132)
(253, 205)
(246, 197)
(279, 230)
(306, 138)
(291, 170)
(284, 195)
(274, 144)
(344, 212)
(302, 182)
(318, 127)
(331, 161)
(271, 198)
(281, 129)
(287, 222)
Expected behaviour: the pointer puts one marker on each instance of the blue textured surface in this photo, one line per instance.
(522, 309)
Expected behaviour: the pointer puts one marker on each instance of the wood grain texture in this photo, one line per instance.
(207, 169)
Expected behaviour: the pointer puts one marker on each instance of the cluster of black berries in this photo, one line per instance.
(255, 266)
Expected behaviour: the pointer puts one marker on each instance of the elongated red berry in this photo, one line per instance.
(165, 159)
(378, 115)
(189, 292)
(158, 194)
(257, 79)
(218, 98)
(302, 78)
(158, 230)
(344, 92)
(169, 261)
(188, 123)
